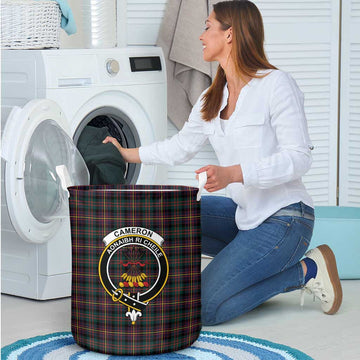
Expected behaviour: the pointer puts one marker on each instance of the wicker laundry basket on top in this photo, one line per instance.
(27, 24)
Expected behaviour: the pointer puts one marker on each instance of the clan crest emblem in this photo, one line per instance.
(133, 268)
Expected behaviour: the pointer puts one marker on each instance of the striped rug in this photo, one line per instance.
(209, 346)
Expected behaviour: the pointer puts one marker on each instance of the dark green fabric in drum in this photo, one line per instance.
(105, 163)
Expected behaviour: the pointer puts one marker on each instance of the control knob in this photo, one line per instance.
(112, 67)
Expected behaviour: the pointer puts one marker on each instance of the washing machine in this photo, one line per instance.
(48, 98)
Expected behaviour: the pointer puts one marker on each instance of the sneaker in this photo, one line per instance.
(326, 285)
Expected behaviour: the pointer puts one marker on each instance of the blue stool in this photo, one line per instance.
(339, 227)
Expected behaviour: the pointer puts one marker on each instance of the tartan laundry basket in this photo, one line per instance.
(136, 262)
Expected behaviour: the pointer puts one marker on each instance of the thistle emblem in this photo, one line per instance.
(133, 276)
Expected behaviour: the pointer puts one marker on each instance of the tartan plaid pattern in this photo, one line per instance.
(172, 320)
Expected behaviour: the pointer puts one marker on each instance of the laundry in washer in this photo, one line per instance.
(105, 163)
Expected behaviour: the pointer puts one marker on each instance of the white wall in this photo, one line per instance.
(142, 22)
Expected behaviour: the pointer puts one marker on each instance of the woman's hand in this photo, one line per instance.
(129, 155)
(218, 177)
(114, 142)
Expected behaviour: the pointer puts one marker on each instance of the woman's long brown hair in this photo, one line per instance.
(247, 49)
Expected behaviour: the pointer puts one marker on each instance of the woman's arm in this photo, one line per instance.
(293, 158)
(130, 155)
(176, 150)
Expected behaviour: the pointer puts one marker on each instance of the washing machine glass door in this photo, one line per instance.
(41, 162)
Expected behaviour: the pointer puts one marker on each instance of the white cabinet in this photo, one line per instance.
(349, 144)
(143, 20)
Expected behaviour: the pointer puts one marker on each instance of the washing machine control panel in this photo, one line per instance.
(112, 67)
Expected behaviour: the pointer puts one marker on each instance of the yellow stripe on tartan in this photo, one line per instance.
(76, 237)
(132, 217)
(104, 227)
(191, 273)
(133, 222)
(162, 303)
(178, 275)
(146, 332)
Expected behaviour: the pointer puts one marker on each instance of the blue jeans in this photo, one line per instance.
(249, 266)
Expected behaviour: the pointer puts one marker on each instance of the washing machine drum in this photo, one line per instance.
(41, 161)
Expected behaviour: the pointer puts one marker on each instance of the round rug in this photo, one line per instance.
(209, 346)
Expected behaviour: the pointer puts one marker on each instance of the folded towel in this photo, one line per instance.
(188, 75)
(67, 17)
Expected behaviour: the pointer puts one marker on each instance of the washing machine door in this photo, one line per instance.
(40, 162)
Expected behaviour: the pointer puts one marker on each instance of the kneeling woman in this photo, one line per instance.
(253, 116)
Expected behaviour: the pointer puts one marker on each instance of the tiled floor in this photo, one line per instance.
(279, 320)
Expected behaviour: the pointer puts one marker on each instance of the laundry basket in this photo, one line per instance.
(27, 24)
(136, 254)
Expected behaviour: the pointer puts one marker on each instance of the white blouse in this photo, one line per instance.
(266, 134)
